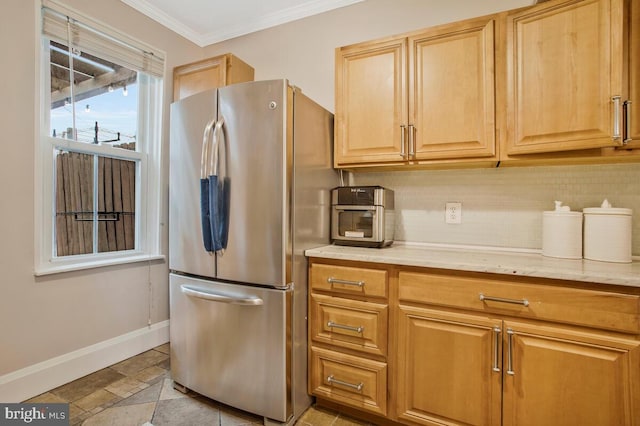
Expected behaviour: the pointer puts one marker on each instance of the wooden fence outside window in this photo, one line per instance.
(75, 206)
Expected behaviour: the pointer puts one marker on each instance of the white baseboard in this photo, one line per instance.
(31, 381)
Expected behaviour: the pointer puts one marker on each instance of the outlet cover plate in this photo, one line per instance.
(453, 212)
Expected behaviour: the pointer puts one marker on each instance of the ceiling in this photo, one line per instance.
(206, 22)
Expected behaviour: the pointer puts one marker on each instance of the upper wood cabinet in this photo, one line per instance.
(565, 87)
(209, 74)
(452, 91)
(371, 102)
(424, 96)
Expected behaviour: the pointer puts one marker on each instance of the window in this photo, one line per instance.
(97, 198)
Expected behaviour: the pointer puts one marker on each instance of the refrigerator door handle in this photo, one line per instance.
(206, 137)
(205, 213)
(215, 160)
(219, 191)
(219, 297)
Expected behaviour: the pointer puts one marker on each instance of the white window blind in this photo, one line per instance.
(60, 25)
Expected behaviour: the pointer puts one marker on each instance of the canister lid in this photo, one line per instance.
(561, 211)
(607, 209)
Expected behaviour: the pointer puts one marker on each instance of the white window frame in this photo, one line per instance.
(148, 169)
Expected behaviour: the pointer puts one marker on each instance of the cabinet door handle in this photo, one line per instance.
(496, 348)
(523, 302)
(358, 329)
(357, 387)
(510, 334)
(412, 141)
(627, 122)
(616, 117)
(332, 280)
(403, 139)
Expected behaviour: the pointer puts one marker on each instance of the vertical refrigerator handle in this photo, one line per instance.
(215, 157)
(219, 193)
(206, 137)
(205, 213)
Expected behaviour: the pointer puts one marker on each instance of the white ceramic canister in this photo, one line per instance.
(607, 233)
(562, 233)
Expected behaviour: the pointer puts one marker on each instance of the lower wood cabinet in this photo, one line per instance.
(461, 369)
(489, 364)
(556, 376)
(446, 368)
(348, 335)
(476, 349)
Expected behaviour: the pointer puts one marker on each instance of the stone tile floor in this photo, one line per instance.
(139, 391)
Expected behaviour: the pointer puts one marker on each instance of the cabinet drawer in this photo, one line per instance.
(349, 380)
(349, 280)
(593, 308)
(349, 323)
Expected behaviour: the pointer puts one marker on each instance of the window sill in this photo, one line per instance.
(52, 268)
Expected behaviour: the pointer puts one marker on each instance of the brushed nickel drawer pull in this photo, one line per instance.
(412, 141)
(616, 117)
(332, 280)
(403, 130)
(510, 371)
(627, 120)
(332, 380)
(523, 302)
(358, 329)
(496, 348)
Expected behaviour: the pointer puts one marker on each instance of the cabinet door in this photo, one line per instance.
(554, 376)
(208, 74)
(452, 91)
(448, 368)
(564, 67)
(199, 76)
(371, 102)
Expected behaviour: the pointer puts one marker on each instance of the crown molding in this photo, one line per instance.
(226, 32)
(158, 15)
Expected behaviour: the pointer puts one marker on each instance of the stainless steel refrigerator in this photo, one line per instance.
(250, 174)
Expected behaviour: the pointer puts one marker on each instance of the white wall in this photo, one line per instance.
(501, 207)
(52, 316)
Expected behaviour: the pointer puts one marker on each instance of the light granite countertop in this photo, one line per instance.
(491, 261)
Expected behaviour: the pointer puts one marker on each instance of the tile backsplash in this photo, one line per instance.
(502, 207)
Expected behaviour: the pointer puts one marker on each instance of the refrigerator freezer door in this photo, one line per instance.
(229, 343)
(189, 120)
(255, 123)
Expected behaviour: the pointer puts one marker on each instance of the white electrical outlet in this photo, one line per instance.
(453, 212)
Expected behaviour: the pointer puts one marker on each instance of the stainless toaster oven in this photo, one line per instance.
(362, 216)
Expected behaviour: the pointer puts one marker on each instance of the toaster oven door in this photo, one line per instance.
(357, 224)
